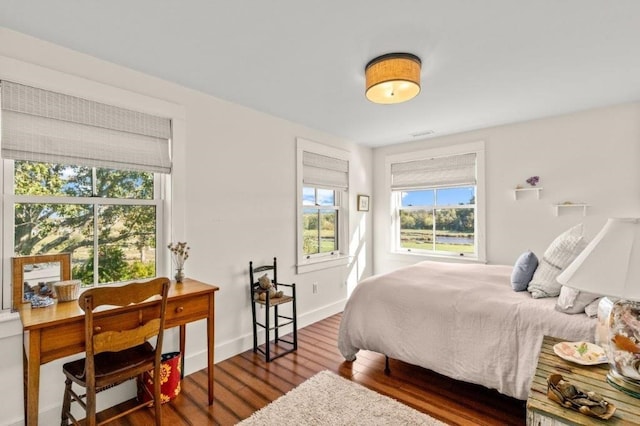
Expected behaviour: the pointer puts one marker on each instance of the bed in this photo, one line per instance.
(461, 320)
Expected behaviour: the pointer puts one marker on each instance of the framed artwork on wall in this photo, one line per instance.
(363, 203)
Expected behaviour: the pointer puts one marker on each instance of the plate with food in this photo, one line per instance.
(584, 353)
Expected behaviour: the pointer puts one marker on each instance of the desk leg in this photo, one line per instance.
(183, 336)
(32, 379)
(210, 343)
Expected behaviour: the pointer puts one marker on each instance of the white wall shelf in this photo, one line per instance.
(536, 189)
(572, 205)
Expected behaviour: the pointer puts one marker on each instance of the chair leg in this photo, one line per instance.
(275, 323)
(91, 406)
(295, 327)
(66, 403)
(255, 327)
(156, 395)
(266, 323)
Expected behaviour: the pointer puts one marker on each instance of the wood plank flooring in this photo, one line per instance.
(245, 383)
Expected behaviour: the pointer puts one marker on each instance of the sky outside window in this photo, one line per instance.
(445, 197)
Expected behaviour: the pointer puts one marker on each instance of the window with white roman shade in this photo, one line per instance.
(86, 178)
(322, 186)
(437, 202)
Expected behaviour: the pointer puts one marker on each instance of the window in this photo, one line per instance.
(323, 184)
(436, 202)
(107, 219)
(320, 220)
(83, 177)
(438, 220)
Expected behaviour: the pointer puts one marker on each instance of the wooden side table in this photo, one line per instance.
(541, 411)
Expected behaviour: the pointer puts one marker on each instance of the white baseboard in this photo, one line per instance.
(224, 350)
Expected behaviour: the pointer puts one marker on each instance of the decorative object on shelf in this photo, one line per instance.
(589, 403)
(533, 180)
(393, 78)
(363, 203)
(180, 254)
(610, 266)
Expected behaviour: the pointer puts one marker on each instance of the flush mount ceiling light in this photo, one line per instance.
(393, 78)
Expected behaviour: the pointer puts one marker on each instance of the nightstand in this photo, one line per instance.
(541, 411)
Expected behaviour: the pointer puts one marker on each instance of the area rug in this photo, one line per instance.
(328, 399)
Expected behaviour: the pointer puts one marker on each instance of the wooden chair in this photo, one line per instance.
(117, 352)
(272, 303)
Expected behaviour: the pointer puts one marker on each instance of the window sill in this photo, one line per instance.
(10, 324)
(312, 265)
(403, 255)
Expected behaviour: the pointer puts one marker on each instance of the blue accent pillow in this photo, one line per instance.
(523, 271)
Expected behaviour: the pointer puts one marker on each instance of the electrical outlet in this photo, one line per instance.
(315, 287)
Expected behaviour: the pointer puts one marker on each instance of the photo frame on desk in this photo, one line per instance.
(28, 271)
(363, 203)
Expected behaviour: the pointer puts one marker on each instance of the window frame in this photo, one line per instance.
(10, 198)
(395, 203)
(397, 197)
(321, 208)
(308, 263)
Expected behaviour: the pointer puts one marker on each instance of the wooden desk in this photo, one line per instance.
(541, 411)
(57, 331)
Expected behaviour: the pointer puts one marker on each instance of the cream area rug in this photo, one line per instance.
(328, 399)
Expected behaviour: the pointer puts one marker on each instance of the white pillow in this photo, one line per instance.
(572, 301)
(592, 308)
(560, 253)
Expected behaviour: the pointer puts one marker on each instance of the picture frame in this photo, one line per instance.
(363, 203)
(28, 270)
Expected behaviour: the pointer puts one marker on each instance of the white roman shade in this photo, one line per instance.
(44, 126)
(323, 171)
(453, 170)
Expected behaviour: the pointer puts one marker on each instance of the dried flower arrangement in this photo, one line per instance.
(533, 180)
(180, 253)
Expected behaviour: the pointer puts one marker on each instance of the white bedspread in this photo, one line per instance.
(461, 320)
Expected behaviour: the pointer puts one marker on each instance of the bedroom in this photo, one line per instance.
(586, 154)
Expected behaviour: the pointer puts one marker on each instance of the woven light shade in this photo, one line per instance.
(393, 78)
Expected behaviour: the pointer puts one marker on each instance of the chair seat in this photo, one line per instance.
(276, 300)
(111, 364)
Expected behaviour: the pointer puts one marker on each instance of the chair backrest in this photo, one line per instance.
(255, 273)
(133, 329)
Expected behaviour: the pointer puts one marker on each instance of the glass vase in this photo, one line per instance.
(180, 275)
(624, 347)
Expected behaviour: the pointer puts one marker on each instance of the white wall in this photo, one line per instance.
(234, 201)
(591, 156)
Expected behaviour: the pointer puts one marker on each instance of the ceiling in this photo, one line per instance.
(485, 63)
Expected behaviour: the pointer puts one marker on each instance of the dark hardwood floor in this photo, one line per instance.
(245, 383)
